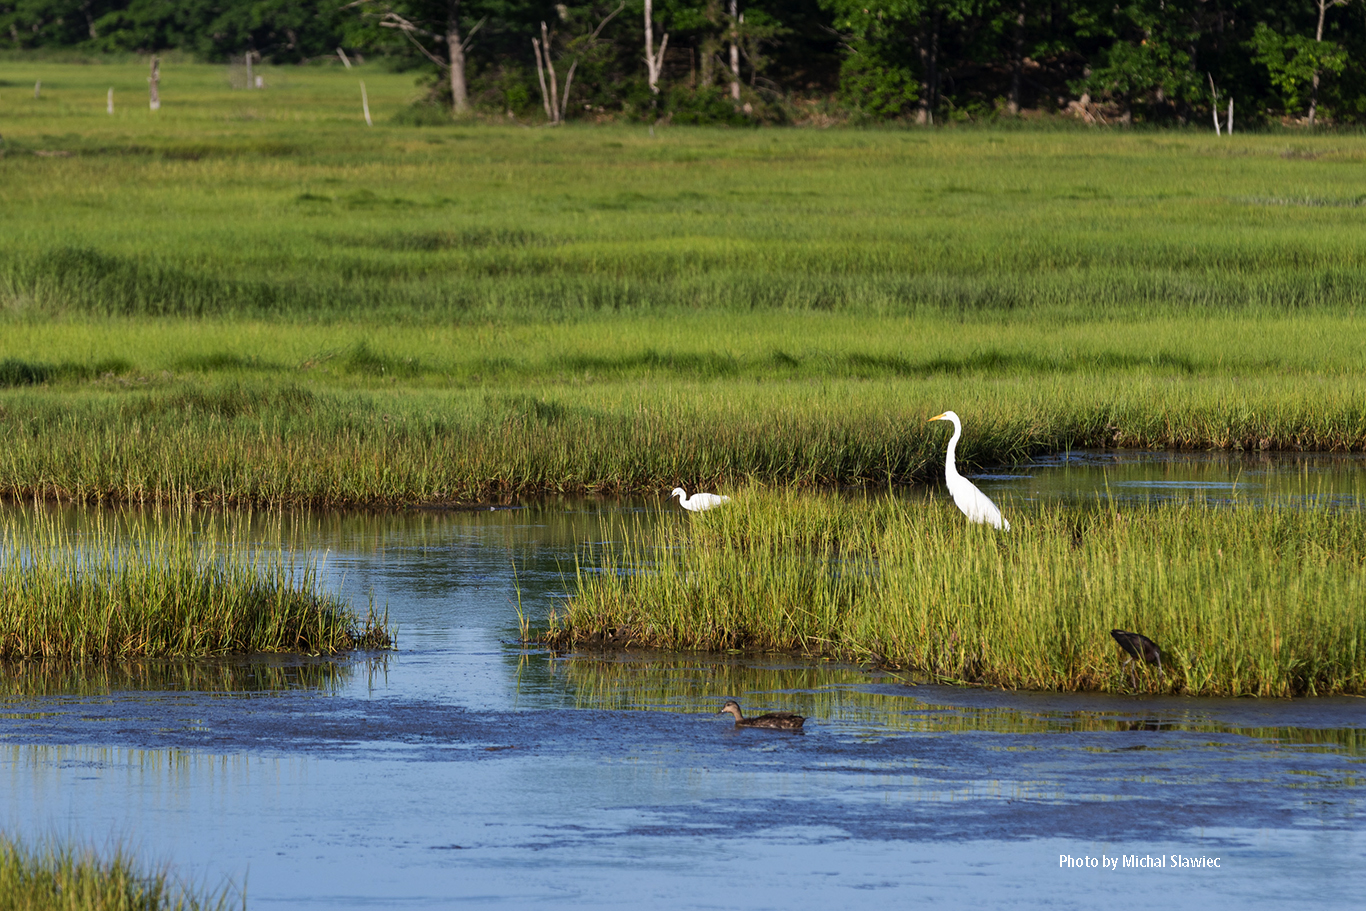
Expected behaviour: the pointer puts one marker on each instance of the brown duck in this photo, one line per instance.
(777, 721)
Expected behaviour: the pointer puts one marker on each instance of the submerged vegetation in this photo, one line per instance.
(101, 595)
(1243, 601)
(58, 877)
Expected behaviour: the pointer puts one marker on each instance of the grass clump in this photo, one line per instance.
(56, 877)
(100, 595)
(1244, 601)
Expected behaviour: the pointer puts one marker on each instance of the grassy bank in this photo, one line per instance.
(1243, 601)
(58, 877)
(243, 412)
(104, 595)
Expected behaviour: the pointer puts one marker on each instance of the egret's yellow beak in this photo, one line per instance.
(937, 417)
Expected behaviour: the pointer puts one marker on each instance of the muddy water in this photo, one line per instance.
(463, 768)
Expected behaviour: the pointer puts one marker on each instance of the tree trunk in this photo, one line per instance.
(1314, 91)
(1017, 61)
(934, 63)
(154, 86)
(922, 113)
(734, 50)
(653, 64)
(460, 99)
(550, 68)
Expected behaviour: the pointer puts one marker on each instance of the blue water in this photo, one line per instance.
(463, 769)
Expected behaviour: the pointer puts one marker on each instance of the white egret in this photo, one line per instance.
(698, 502)
(974, 504)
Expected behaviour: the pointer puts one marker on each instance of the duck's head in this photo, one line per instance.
(733, 707)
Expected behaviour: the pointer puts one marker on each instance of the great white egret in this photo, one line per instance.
(778, 721)
(698, 502)
(1139, 648)
(975, 504)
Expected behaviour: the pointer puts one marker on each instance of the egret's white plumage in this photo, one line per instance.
(974, 504)
(698, 502)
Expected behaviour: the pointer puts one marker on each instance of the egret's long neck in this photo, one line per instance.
(950, 468)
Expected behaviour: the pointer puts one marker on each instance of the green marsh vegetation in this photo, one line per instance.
(58, 877)
(1243, 600)
(101, 595)
(250, 297)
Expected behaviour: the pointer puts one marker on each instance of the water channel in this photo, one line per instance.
(464, 769)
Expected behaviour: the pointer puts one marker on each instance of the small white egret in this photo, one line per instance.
(698, 502)
(974, 504)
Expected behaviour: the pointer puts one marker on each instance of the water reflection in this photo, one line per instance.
(261, 674)
(1306, 479)
(853, 697)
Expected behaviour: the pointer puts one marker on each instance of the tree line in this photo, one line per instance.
(756, 61)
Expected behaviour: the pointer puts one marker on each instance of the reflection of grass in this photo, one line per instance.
(1245, 601)
(831, 692)
(101, 594)
(59, 676)
(60, 877)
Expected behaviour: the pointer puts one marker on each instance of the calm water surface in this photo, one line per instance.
(464, 769)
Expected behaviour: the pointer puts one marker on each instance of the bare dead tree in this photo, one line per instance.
(419, 37)
(557, 103)
(735, 21)
(1318, 38)
(551, 110)
(154, 85)
(653, 64)
(1214, 102)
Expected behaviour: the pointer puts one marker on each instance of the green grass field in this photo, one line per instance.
(249, 296)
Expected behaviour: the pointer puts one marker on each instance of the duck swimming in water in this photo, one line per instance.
(777, 721)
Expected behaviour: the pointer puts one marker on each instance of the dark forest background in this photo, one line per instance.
(748, 61)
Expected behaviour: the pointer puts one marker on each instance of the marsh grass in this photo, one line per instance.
(58, 877)
(1243, 601)
(250, 298)
(257, 439)
(103, 595)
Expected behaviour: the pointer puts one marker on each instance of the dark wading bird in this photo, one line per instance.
(1139, 648)
(777, 721)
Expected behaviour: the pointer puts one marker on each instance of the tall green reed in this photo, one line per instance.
(53, 876)
(1243, 600)
(102, 594)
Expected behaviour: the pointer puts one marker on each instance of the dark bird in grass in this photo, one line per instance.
(776, 721)
(1139, 648)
